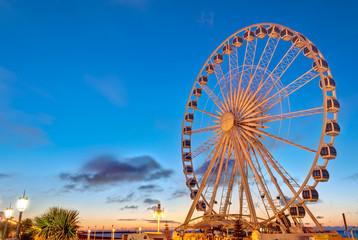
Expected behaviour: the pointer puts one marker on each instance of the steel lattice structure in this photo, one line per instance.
(238, 156)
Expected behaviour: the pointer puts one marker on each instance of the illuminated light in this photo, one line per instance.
(22, 204)
(163, 215)
(154, 214)
(8, 213)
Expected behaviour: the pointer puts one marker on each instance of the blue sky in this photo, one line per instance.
(88, 80)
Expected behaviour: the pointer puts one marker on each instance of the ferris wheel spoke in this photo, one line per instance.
(278, 117)
(218, 174)
(264, 61)
(213, 128)
(221, 80)
(214, 98)
(238, 148)
(205, 146)
(278, 138)
(208, 113)
(260, 178)
(203, 184)
(255, 144)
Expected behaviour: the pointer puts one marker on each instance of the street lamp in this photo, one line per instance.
(158, 213)
(113, 230)
(21, 206)
(8, 215)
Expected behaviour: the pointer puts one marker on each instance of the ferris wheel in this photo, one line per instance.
(259, 128)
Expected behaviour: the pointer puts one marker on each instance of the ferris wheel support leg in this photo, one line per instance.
(244, 181)
(202, 186)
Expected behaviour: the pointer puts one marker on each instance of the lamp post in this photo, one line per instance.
(102, 232)
(113, 230)
(88, 234)
(158, 213)
(95, 231)
(21, 206)
(8, 215)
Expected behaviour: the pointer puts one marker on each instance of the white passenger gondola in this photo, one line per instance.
(328, 151)
(273, 32)
(310, 194)
(298, 42)
(249, 35)
(203, 80)
(320, 174)
(310, 54)
(193, 194)
(332, 128)
(297, 211)
(286, 34)
(193, 104)
(322, 64)
(328, 83)
(197, 92)
(189, 117)
(191, 182)
(188, 170)
(218, 58)
(237, 41)
(201, 206)
(186, 157)
(210, 68)
(333, 105)
(187, 130)
(227, 49)
(261, 32)
(186, 143)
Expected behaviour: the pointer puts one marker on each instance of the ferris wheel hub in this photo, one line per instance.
(227, 121)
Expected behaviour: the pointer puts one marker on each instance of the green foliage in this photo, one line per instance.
(27, 230)
(57, 224)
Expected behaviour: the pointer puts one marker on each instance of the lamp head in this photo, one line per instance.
(22, 203)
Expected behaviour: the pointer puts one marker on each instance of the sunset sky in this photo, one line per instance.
(93, 95)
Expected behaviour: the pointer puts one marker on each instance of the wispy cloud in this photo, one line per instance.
(111, 88)
(206, 18)
(18, 128)
(150, 188)
(353, 176)
(179, 193)
(3, 175)
(120, 199)
(108, 170)
(127, 219)
(132, 207)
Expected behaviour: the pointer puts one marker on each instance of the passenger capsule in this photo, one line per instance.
(193, 104)
(332, 128)
(201, 206)
(218, 58)
(197, 92)
(310, 194)
(273, 32)
(186, 143)
(189, 117)
(286, 34)
(203, 80)
(210, 68)
(191, 182)
(320, 174)
(227, 49)
(310, 54)
(187, 130)
(186, 157)
(322, 64)
(193, 194)
(297, 211)
(237, 41)
(328, 83)
(296, 41)
(333, 105)
(328, 151)
(188, 170)
(261, 32)
(249, 35)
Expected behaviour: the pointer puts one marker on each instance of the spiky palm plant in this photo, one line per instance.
(57, 223)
